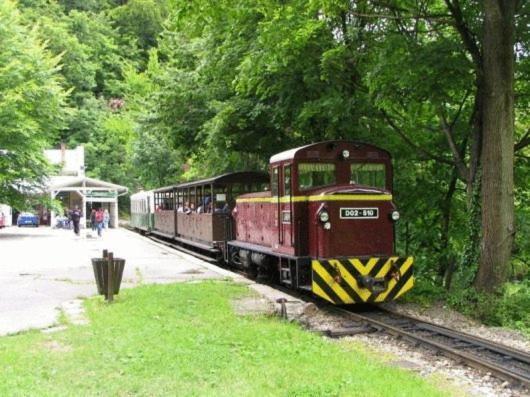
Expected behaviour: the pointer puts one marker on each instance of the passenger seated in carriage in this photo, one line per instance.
(185, 209)
(203, 208)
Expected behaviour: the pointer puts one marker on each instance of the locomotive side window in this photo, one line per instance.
(369, 174)
(274, 182)
(287, 180)
(312, 175)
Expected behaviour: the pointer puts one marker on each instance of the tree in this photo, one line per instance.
(498, 223)
(32, 107)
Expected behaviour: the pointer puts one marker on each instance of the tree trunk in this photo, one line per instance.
(447, 260)
(497, 144)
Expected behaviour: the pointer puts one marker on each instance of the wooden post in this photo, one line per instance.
(105, 254)
(110, 274)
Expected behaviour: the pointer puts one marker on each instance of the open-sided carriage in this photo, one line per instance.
(197, 214)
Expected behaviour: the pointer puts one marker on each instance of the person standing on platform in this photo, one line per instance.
(76, 215)
(93, 219)
(106, 218)
(100, 217)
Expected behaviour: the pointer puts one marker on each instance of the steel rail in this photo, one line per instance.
(470, 359)
(465, 337)
(170, 244)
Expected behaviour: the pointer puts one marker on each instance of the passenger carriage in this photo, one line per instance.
(142, 210)
(198, 214)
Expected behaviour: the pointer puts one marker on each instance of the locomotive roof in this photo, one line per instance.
(291, 153)
(233, 177)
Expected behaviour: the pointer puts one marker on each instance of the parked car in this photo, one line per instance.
(28, 219)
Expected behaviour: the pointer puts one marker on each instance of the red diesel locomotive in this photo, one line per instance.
(325, 225)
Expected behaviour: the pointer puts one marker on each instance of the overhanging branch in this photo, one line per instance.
(448, 132)
(467, 36)
(523, 142)
(425, 153)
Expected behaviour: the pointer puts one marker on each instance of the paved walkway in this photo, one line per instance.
(41, 269)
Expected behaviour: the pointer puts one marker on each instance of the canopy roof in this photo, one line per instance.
(59, 182)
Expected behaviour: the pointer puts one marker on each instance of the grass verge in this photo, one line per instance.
(185, 340)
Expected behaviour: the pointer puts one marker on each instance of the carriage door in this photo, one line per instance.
(275, 195)
(286, 213)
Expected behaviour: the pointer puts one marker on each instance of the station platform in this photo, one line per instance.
(42, 268)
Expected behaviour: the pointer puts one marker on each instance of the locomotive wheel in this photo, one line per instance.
(234, 258)
(265, 275)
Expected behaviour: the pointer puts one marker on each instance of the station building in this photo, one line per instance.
(6, 215)
(72, 187)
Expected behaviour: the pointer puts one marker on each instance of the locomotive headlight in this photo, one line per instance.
(327, 225)
(323, 216)
(395, 216)
(346, 154)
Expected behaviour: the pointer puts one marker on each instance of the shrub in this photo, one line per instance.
(510, 308)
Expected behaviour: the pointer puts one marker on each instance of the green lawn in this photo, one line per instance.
(184, 340)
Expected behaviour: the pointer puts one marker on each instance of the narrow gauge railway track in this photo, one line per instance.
(500, 360)
(170, 244)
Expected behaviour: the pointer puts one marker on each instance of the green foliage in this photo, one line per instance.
(140, 21)
(32, 107)
(426, 292)
(509, 308)
(109, 149)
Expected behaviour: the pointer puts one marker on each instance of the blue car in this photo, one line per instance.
(28, 219)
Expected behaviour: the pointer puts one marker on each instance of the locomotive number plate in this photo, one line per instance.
(359, 213)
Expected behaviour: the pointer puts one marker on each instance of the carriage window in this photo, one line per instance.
(369, 174)
(237, 189)
(274, 182)
(180, 198)
(311, 175)
(167, 201)
(287, 180)
(192, 197)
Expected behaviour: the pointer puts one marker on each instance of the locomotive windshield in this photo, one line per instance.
(312, 175)
(369, 174)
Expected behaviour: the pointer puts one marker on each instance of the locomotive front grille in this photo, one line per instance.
(362, 280)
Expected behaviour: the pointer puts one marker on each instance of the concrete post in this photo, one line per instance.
(52, 213)
(82, 222)
(114, 214)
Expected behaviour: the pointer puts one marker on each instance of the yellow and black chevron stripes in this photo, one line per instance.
(339, 280)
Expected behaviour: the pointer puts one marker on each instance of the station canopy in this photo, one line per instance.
(92, 189)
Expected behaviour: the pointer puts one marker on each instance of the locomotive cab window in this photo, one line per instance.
(287, 180)
(313, 175)
(274, 182)
(368, 174)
